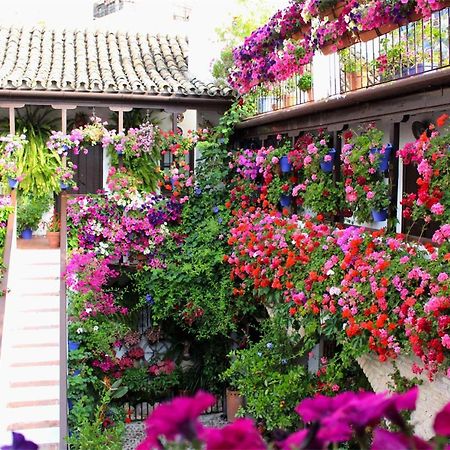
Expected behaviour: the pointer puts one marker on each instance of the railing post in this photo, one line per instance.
(63, 329)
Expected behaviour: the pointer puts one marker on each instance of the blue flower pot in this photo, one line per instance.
(285, 164)
(13, 183)
(27, 233)
(76, 373)
(327, 166)
(285, 200)
(73, 345)
(379, 216)
(63, 186)
(383, 162)
(69, 403)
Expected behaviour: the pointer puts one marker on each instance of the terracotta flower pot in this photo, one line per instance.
(53, 239)
(387, 28)
(354, 80)
(366, 36)
(234, 402)
(309, 95)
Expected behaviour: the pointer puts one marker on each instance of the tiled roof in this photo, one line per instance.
(87, 61)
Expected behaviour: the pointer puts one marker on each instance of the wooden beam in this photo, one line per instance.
(12, 120)
(394, 140)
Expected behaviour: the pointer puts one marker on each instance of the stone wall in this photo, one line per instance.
(432, 395)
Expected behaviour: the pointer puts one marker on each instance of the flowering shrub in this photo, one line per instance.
(9, 162)
(431, 156)
(356, 417)
(365, 186)
(280, 48)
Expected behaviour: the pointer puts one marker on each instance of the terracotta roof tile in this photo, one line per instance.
(88, 61)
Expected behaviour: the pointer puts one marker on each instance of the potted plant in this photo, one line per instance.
(355, 69)
(53, 230)
(290, 97)
(305, 84)
(66, 173)
(29, 213)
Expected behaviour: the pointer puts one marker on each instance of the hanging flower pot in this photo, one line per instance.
(285, 200)
(386, 28)
(328, 161)
(383, 162)
(367, 35)
(27, 233)
(285, 165)
(379, 215)
(73, 345)
(13, 183)
(63, 186)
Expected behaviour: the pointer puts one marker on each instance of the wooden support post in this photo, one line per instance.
(63, 429)
(12, 120)
(394, 140)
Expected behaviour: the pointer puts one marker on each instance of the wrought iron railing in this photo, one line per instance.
(285, 94)
(412, 49)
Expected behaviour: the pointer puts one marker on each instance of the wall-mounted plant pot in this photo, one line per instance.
(332, 12)
(289, 100)
(285, 165)
(53, 239)
(379, 215)
(309, 95)
(13, 183)
(73, 345)
(327, 166)
(387, 28)
(285, 200)
(328, 49)
(368, 35)
(354, 80)
(383, 162)
(27, 234)
(63, 186)
(234, 402)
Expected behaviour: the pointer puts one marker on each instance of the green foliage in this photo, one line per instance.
(272, 376)
(241, 25)
(305, 82)
(30, 209)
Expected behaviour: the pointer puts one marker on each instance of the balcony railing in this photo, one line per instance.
(409, 50)
(412, 49)
(284, 94)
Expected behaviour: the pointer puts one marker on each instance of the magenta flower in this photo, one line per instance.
(177, 419)
(20, 443)
(442, 421)
(240, 435)
(386, 440)
(295, 440)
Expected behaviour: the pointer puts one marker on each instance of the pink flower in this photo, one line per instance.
(370, 195)
(442, 422)
(437, 208)
(176, 419)
(236, 436)
(386, 440)
(442, 277)
(446, 341)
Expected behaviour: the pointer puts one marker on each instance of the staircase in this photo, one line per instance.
(29, 364)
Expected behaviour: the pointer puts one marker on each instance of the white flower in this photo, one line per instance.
(95, 328)
(330, 272)
(88, 310)
(80, 330)
(335, 290)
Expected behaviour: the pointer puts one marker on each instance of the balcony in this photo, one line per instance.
(407, 51)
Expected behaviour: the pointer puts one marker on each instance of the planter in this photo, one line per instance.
(328, 49)
(414, 70)
(309, 95)
(53, 239)
(387, 28)
(289, 100)
(285, 200)
(13, 183)
(73, 345)
(27, 233)
(383, 162)
(327, 166)
(234, 402)
(333, 12)
(285, 165)
(354, 80)
(366, 36)
(432, 395)
(379, 216)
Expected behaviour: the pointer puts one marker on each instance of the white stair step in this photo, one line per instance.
(24, 319)
(27, 355)
(35, 393)
(34, 286)
(21, 374)
(43, 336)
(42, 435)
(32, 414)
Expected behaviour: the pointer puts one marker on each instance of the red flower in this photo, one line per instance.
(441, 120)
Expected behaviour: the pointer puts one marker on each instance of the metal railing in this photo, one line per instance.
(409, 50)
(284, 95)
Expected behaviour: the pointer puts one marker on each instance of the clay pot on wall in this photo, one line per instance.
(53, 239)
(234, 402)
